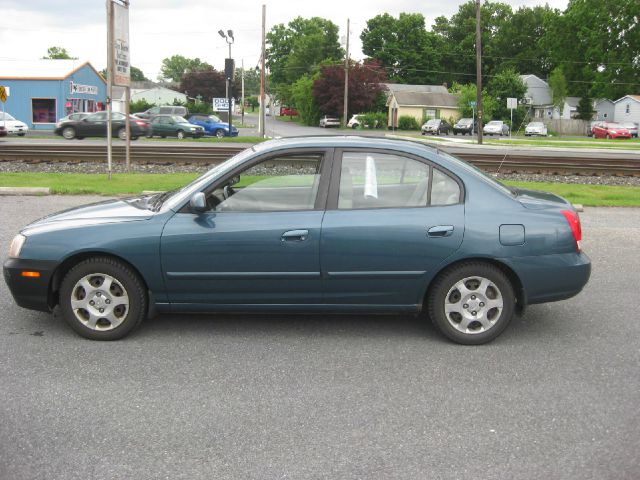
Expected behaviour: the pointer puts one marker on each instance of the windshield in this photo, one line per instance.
(535, 124)
(494, 123)
(6, 116)
(465, 121)
(433, 122)
(614, 125)
(213, 118)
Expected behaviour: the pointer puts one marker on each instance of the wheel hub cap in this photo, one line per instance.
(473, 305)
(99, 301)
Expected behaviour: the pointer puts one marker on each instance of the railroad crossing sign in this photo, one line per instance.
(4, 93)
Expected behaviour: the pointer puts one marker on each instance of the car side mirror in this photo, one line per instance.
(198, 202)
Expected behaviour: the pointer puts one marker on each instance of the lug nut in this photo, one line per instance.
(102, 310)
(474, 313)
(481, 304)
(92, 302)
(473, 297)
(107, 301)
(465, 306)
(98, 294)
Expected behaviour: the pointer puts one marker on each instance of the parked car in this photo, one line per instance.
(610, 130)
(496, 127)
(632, 127)
(357, 120)
(95, 125)
(73, 116)
(329, 121)
(436, 126)
(591, 125)
(3, 131)
(13, 126)
(288, 112)
(212, 125)
(164, 110)
(465, 126)
(174, 126)
(317, 224)
(535, 128)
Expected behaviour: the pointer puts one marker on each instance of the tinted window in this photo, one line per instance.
(97, 117)
(283, 183)
(444, 189)
(375, 180)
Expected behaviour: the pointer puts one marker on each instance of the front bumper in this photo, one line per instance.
(29, 292)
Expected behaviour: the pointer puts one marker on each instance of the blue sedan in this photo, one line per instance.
(213, 125)
(323, 224)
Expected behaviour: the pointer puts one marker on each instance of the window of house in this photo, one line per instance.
(628, 109)
(43, 110)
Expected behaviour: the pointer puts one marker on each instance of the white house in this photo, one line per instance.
(604, 109)
(627, 109)
(539, 98)
(157, 95)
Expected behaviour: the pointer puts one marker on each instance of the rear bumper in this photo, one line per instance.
(550, 278)
(29, 292)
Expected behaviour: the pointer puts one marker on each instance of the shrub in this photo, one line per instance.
(407, 122)
(140, 106)
(373, 120)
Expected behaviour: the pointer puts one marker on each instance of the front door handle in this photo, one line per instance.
(295, 236)
(440, 231)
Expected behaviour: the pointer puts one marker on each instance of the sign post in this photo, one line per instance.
(511, 104)
(473, 116)
(4, 93)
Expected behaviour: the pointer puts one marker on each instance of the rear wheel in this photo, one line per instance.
(122, 134)
(471, 303)
(180, 135)
(608, 137)
(69, 133)
(102, 299)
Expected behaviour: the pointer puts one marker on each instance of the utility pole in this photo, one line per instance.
(242, 83)
(479, 72)
(262, 58)
(346, 82)
(110, 48)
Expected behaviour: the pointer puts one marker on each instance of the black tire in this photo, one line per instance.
(493, 320)
(69, 133)
(163, 136)
(126, 283)
(608, 137)
(456, 133)
(180, 135)
(354, 126)
(21, 134)
(122, 133)
(219, 133)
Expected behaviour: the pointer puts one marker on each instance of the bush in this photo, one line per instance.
(373, 120)
(140, 106)
(200, 107)
(407, 122)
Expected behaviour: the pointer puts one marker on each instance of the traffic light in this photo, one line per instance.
(229, 68)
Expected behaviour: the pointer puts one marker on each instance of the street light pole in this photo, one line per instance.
(228, 70)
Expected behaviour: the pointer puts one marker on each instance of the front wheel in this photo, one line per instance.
(219, 133)
(102, 299)
(471, 303)
(180, 135)
(69, 133)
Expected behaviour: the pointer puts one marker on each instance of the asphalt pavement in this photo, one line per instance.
(341, 397)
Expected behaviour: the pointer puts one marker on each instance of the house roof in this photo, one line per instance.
(41, 69)
(632, 97)
(401, 87)
(572, 101)
(425, 99)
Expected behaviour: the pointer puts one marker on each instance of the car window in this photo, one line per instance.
(444, 189)
(214, 119)
(117, 116)
(288, 182)
(376, 180)
(179, 119)
(6, 116)
(97, 117)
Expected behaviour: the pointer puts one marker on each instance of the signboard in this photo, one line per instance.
(221, 104)
(473, 104)
(4, 93)
(512, 103)
(88, 89)
(121, 68)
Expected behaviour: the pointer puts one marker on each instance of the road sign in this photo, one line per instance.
(473, 104)
(4, 93)
(512, 103)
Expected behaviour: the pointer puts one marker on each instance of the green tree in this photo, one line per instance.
(558, 86)
(458, 34)
(300, 47)
(386, 39)
(507, 84)
(173, 68)
(467, 95)
(302, 96)
(597, 44)
(137, 75)
(585, 109)
(58, 53)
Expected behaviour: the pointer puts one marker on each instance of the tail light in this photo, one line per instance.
(574, 222)
(141, 123)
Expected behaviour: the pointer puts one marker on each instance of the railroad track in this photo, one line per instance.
(490, 159)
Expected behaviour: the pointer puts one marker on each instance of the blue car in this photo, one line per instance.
(321, 224)
(213, 125)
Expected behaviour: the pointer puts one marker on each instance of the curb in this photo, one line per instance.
(39, 191)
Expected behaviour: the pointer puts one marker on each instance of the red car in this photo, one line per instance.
(288, 111)
(610, 130)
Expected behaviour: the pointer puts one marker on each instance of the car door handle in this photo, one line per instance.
(440, 231)
(295, 236)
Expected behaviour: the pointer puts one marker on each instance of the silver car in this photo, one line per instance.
(535, 128)
(496, 127)
(632, 127)
(329, 121)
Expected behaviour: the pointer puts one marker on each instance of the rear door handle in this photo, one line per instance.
(440, 231)
(295, 236)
